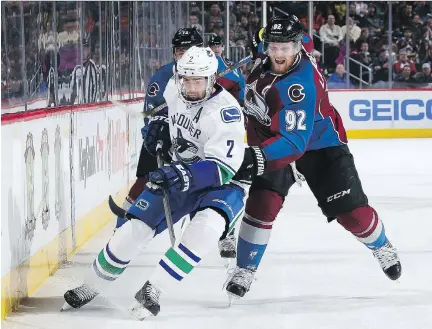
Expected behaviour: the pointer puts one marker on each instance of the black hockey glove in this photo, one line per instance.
(255, 41)
(254, 163)
(176, 178)
(158, 130)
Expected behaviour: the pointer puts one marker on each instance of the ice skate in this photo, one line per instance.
(227, 246)
(239, 282)
(227, 249)
(79, 296)
(146, 302)
(389, 261)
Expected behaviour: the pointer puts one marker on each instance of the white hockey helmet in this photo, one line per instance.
(196, 62)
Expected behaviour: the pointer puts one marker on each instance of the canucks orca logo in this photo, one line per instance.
(153, 89)
(255, 104)
(185, 150)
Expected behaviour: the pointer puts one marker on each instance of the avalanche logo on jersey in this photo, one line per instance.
(185, 150)
(231, 114)
(153, 89)
(255, 104)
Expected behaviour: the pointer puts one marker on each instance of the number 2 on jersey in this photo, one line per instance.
(230, 144)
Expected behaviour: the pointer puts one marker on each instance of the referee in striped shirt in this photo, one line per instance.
(84, 82)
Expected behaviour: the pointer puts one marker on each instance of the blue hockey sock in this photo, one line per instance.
(252, 243)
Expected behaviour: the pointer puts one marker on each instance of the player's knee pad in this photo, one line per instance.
(204, 230)
(136, 190)
(361, 221)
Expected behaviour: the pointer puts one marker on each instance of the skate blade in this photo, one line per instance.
(65, 307)
(232, 298)
(139, 312)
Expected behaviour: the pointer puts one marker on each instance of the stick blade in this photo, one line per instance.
(116, 210)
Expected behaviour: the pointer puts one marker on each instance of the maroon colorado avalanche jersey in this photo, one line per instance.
(289, 114)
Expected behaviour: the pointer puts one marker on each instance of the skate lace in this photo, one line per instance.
(85, 292)
(241, 276)
(228, 243)
(386, 255)
(152, 293)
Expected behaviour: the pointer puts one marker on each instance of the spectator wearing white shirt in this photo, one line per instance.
(354, 30)
(361, 8)
(331, 35)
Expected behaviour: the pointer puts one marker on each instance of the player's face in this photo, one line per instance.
(282, 55)
(178, 52)
(217, 49)
(194, 88)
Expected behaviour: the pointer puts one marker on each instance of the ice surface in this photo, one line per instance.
(314, 275)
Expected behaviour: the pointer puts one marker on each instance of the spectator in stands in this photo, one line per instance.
(428, 30)
(338, 80)
(194, 22)
(242, 31)
(319, 19)
(364, 55)
(403, 60)
(245, 10)
(406, 16)
(425, 75)
(381, 72)
(361, 8)
(219, 30)
(354, 30)
(424, 53)
(195, 10)
(214, 16)
(422, 8)
(374, 22)
(405, 79)
(331, 35)
(364, 37)
(407, 40)
(340, 12)
(417, 27)
(358, 19)
(254, 23)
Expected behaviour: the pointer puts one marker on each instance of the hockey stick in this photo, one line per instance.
(162, 106)
(120, 212)
(165, 199)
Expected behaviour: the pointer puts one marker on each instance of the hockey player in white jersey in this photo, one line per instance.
(207, 131)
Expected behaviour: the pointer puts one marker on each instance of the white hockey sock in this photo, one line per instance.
(200, 236)
(116, 255)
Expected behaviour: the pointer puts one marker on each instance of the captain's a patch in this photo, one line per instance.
(231, 114)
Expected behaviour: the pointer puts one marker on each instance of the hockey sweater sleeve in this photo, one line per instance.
(154, 93)
(224, 149)
(292, 126)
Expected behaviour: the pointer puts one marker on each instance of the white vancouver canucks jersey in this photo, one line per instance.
(213, 130)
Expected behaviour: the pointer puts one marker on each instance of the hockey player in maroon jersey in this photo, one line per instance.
(291, 120)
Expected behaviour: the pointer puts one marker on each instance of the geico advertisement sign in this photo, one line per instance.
(390, 109)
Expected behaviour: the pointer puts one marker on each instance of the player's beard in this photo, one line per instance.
(195, 95)
(281, 65)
